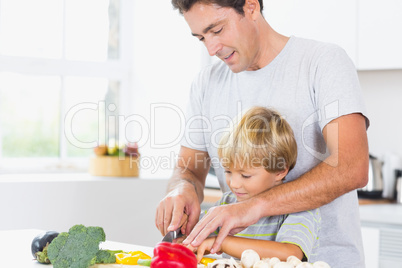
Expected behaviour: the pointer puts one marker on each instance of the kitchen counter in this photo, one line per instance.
(212, 195)
(16, 245)
(366, 201)
(390, 214)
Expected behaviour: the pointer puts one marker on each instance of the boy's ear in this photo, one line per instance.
(280, 175)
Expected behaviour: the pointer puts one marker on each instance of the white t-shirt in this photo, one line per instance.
(309, 83)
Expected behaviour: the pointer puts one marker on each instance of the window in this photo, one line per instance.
(64, 68)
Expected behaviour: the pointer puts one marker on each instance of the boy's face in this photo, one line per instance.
(248, 182)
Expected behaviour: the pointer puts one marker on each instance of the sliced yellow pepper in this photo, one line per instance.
(205, 261)
(130, 258)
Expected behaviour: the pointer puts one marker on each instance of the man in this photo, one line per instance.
(314, 85)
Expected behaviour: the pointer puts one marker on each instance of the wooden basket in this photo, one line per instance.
(114, 166)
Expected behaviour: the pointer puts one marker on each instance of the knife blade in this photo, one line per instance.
(172, 235)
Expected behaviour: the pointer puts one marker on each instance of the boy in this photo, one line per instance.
(257, 154)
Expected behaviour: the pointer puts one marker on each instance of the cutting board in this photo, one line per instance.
(114, 266)
(35, 264)
(22, 258)
(122, 265)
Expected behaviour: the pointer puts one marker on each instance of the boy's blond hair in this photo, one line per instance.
(261, 138)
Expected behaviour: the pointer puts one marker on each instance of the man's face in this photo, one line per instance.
(226, 34)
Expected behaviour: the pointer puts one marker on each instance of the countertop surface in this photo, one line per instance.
(16, 245)
(382, 213)
(61, 177)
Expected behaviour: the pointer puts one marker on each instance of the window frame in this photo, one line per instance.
(113, 69)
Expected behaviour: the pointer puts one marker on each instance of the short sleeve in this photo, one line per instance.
(336, 86)
(301, 229)
(196, 121)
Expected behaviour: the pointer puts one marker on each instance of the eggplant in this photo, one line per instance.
(39, 243)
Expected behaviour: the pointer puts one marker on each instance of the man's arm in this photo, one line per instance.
(344, 170)
(185, 191)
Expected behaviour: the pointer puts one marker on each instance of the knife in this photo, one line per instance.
(173, 235)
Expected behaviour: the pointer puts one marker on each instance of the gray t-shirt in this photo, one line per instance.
(309, 83)
(301, 228)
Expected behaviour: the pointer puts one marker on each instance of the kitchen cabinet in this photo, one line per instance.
(371, 244)
(379, 36)
(382, 235)
(368, 30)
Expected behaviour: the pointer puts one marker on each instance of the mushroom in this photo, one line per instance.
(293, 260)
(249, 257)
(224, 263)
(262, 264)
(283, 264)
(274, 261)
(304, 265)
(321, 264)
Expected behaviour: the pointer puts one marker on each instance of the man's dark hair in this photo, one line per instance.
(185, 5)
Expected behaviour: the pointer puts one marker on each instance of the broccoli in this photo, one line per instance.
(106, 256)
(79, 248)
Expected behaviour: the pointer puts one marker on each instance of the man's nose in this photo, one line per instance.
(213, 46)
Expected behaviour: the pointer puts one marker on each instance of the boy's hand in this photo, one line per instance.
(204, 248)
(232, 219)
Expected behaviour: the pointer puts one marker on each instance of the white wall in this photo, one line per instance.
(166, 60)
(382, 91)
(124, 207)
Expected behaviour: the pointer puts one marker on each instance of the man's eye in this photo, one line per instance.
(201, 39)
(220, 30)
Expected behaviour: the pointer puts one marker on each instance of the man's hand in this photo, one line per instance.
(231, 218)
(185, 194)
(179, 207)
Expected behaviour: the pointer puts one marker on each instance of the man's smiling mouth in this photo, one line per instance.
(227, 57)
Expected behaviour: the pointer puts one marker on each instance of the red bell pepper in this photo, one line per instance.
(169, 255)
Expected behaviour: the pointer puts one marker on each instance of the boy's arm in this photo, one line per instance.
(234, 246)
(297, 236)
